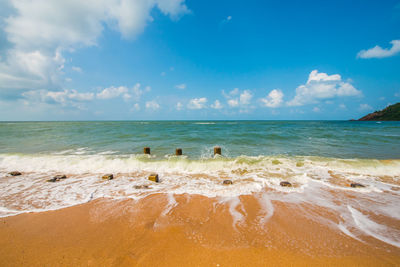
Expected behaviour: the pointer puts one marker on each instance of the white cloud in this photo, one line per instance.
(274, 99)
(65, 97)
(217, 105)
(322, 86)
(153, 105)
(181, 86)
(231, 93)
(245, 97)
(233, 103)
(136, 107)
(235, 98)
(76, 69)
(342, 106)
(316, 109)
(39, 32)
(179, 106)
(112, 92)
(197, 103)
(225, 21)
(365, 107)
(379, 52)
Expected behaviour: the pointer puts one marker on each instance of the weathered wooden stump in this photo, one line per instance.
(146, 150)
(154, 178)
(217, 150)
(178, 151)
(286, 184)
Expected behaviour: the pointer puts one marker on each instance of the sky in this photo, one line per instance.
(197, 60)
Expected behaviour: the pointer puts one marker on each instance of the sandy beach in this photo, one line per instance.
(194, 230)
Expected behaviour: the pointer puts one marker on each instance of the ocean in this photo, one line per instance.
(321, 159)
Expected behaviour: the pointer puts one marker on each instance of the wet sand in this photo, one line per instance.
(188, 230)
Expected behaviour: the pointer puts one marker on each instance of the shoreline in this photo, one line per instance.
(184, 230)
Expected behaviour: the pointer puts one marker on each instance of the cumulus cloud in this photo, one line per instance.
(136, 107)
(76, 69)
(245, 97)
(233, 103)
(197, 103)
(181, 86)
(38, 32)
(65, 97)
(127, 93)
(365, 107)
(235, 98)
(153, 105)
(217, 105)
(179, 106)
(274, 99)
(379, 52)
(112, 92)
(321, 86)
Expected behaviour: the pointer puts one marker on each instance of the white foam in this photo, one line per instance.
(378, 231)
(234, 203)
(266, 207)
(170, 205)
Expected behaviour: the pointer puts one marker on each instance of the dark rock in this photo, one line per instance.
(15, 173)
(217, 150)
(227, 182)
(107, 177)
(61, 176)
(356, 185)
(57, 178)
(142, 187)
(286, 184)
(154, 177)
(146, 150)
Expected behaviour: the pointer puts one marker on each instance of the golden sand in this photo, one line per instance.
(194, 231)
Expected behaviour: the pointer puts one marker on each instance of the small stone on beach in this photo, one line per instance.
(154, 178)
(286, 184)
(57, 178)
(227, 182)
(14, 173)
(355, 185)
(142, 187)
(107, 177)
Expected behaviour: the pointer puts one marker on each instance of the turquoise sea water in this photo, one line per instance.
(337, 139)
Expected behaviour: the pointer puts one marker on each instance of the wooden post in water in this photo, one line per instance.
(178, 151)
(217, 150)
(146, 150)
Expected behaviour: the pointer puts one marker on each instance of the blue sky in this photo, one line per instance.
(176, 59)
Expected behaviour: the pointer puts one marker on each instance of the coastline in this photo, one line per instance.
(155, 231)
